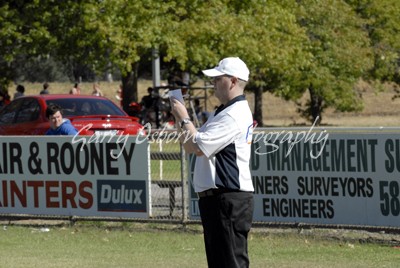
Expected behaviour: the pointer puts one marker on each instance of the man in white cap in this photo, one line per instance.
(222, 176)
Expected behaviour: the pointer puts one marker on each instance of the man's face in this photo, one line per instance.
(221, 87)
(55, 120)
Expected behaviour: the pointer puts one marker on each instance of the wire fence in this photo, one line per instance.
(169, 199)
(168, 187)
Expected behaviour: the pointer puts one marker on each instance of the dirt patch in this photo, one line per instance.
(345, 235)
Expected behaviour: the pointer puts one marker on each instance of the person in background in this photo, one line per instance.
(75, 90)
(118, 96)
(45, 89)
(20, 91)
(96, 90)
(4, 97)
(58, 124)
(148, 101)
(222, 177)
(149, 108)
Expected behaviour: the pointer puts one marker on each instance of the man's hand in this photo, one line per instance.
(178, 110)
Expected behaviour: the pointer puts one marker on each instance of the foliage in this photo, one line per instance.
(383, 26)
(127, 31)
(251, 30)
(341, 55)
(291, 47)
(39, 69)
(23, 31)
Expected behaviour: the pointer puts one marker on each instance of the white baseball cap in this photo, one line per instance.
(232, 66)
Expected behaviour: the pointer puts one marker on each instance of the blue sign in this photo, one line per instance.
(121, 195)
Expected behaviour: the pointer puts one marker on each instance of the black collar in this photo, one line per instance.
(232, 101)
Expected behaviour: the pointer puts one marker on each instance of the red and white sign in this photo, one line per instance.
(78, 176)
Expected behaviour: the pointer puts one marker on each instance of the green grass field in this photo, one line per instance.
(156, 245)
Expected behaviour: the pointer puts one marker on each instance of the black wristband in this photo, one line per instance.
(184, 122)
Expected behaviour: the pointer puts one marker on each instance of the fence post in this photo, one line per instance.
(184, 181)
(160, 148)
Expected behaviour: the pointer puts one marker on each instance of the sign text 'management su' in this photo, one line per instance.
(344, 179)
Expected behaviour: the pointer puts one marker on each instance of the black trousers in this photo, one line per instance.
(226, 220)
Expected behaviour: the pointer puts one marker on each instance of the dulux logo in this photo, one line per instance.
(121, 195)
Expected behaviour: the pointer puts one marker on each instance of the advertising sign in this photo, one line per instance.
(325, 178)
(80, 176)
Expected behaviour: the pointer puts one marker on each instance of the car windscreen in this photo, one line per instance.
(21, 110)
(78, 107)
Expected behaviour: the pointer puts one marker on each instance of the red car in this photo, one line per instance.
(89, 114)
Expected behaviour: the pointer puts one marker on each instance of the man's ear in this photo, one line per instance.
(234, 81)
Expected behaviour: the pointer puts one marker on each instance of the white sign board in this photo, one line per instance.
(79, 176)
(326, 178)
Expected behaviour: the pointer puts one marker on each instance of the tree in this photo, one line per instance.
(264, 35)
(278, 51)
(341, 55)
(291, 47)
(24, 32)
(383, 26)
(127, 31)
(79, 43)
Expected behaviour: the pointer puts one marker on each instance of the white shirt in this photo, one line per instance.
(225, 140)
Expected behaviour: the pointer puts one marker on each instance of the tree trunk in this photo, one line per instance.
(258, 114)
(130, 87)
(315, 106)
